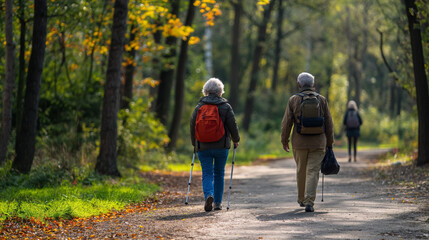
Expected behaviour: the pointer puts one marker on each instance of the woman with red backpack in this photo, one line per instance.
(212, 127)
(352, 122)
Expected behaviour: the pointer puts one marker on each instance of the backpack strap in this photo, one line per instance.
(224, 124)
(302, 94)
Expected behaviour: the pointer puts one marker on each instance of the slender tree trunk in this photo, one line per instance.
(357, 76)
(235, 55)
(398, 101)
(262, 35)
(278, 49)
(349, 54)
(162, 107)
(180, 82)
(106, 161)
(360, 65)
(392, 98)
(9, 82)
(394, 88)
(422, 95)
(208, 54)
(91, 58)
(26, 140)
(309, 46)
(62, 42)
(157, 36)
(129, 72)
(21, 79)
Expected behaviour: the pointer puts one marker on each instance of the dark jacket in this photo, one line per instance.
(226, 114)
(352, 132)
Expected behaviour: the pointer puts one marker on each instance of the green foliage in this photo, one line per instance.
(141, 137)
(338, 94)
(379, 127)
(259, 145)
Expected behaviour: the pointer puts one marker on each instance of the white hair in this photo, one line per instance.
(213, 86)
(352, 105)
(305, 80)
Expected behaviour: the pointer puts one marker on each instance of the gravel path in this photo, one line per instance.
(263, 206)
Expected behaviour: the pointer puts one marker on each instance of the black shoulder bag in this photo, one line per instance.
(329, 165)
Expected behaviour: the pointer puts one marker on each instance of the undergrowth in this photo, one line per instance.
(49, 192)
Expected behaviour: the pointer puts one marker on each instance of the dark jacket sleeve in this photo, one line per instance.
(345, 118)
(192, 124)
(231, 124)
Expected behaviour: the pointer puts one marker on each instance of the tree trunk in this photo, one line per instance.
(21, 79)
(395, 90)
(422, 96)
(26, 140)
(262, 35)
(398, 100)
(235, 56)
(392, 98)
(357, 76)
(208, 54)
(349, 54)
(309, 46)
(9, 82)
(127, 95)
(91, 58)
(106, 161)
(360, 64)
(162, 107)
(157, 36)
(278, 49)
(180, 82)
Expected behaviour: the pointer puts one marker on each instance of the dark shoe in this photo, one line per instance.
(350, 159)
(208, 206)
(309, 208)
(217, 206)
(301, 204)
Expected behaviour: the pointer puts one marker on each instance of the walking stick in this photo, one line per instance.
(190, 177)
(323, 181)
(230, 180)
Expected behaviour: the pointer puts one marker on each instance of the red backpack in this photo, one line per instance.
(209, 126)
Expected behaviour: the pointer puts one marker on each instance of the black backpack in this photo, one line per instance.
(352, 119)
(311, 120)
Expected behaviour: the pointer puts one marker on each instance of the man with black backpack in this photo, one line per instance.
(308, 113)
(213, 126)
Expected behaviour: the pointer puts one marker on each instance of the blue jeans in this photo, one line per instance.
(213, 172)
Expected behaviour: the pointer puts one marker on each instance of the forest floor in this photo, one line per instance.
(364, 201)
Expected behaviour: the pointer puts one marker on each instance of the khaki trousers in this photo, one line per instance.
(308, 163)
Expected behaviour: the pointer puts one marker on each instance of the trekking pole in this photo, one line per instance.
(323, 181)
(230, 180)
(190, 177)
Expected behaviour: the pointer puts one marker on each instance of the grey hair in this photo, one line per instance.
(213, 86)
(305, 80)
(352, 105)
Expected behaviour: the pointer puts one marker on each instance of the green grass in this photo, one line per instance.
(71, 201)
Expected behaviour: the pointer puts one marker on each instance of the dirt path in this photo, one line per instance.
(263, 206)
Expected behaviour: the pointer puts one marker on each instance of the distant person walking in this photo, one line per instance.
(212, 126)
(352, 122)
(309, 114)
